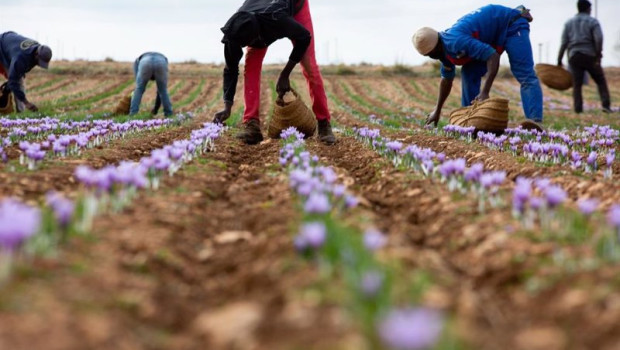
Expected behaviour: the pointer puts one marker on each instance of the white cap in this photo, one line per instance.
(425, 40)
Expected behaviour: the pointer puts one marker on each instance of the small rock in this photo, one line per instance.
(229, 237)
(230, 327)
(541, 338)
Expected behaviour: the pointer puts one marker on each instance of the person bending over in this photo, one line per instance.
(256, 25)
(18, 55)
(476, 42)
(151, 66)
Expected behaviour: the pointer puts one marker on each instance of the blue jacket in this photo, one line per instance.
(478, 35)
(17, 57)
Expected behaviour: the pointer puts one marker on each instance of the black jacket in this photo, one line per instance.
(259, 23)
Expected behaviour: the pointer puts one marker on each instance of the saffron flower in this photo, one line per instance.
(311, 235)
(374, 240)
(411, 329)
(18, 222)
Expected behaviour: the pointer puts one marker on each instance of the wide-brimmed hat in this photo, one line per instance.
(45, 56)
(425, 40)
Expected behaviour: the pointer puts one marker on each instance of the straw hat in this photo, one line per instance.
(425, 40)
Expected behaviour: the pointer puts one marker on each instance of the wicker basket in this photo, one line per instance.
(490, 115)
(293, 113)
(7, 101)
(122, 108)
(554, 77)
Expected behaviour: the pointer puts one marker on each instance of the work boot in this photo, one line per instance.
(532, 125)
(325, 133)
(251, 133)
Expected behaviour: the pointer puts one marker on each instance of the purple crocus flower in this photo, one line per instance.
(411, 329)
(317, 203)
(613, 217)
(311, 235)
(62, 207)
(371, 283)
(474, 172)
(394, 146)
(350, 201)
(555, 196)
(18, 222)
(374, 240)
(536, 203)
(521, 194)
(587, 206)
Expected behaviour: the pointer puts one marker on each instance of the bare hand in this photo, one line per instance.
(482, 96)
(283, 86)
(433, 118)
(221, 116)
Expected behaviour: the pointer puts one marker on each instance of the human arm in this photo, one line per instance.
(17, 71)
(445, 86)
(157, 105)
(563, 45)
(597, 35)
(301, 38)
(232, 55)
(492, 69)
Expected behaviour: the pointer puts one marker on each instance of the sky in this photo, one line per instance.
(346, 31)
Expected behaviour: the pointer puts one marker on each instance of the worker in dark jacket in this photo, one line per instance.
(476, 42)
(583, 38)
(256, 25)
(18, 55)
(151, 66)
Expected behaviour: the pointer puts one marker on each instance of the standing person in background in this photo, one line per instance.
(476, 42)
(151, 66)
(583, 38)
(257, 24)
(18, 55)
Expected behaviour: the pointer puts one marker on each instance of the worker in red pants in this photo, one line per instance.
(263, 10)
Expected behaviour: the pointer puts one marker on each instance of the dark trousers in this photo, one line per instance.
(579, 64)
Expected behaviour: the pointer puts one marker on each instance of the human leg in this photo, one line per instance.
(519, 49)
(252, 79)
(598, 75)
(161, 78)
(578, 70)
(310, 69)
(471, 76)
(145, 72)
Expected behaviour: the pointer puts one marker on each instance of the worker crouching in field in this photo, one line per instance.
(476, 42)
(257, 24)
(151, 66)
(583, 38)
(18, 55)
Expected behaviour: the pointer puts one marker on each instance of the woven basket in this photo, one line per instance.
(294, 113)
(122, 108)
(554, 77)
(7, 101)
(490, 115)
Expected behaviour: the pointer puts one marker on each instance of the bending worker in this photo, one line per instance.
(257, 24)
(151, 66)
(476, 42)
(18, 55)
(583, 38)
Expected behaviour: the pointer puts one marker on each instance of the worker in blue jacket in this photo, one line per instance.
(476, 42)
(18, 55)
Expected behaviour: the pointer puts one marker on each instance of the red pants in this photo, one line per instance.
(254, 63)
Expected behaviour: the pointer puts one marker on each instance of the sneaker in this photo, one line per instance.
(607, 110)
(325, 133)
(251, 133)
